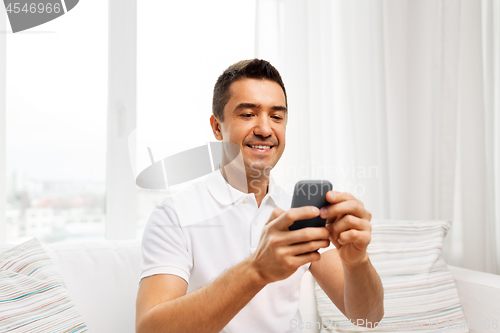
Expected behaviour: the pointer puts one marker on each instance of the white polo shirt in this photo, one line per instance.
(209, 227)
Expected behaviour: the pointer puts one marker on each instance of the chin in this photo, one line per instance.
(259, 169)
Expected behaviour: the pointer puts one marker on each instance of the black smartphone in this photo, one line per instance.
(310, 193)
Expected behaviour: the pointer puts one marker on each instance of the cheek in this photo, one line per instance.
(282, 136)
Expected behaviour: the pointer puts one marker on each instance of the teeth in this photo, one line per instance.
(261, 147)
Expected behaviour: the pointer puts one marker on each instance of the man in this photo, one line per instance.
(236, 267)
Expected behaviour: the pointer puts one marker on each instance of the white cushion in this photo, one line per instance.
(418, 286)
(33, 296)
(103, 279)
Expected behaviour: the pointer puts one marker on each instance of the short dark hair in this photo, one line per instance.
(245, 69)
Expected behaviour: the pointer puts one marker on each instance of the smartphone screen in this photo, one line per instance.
(310, 193)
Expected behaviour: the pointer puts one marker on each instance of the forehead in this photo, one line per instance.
(259, 91)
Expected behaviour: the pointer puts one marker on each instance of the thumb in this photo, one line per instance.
(286, 219)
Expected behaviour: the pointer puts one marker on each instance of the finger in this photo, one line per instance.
(334, 238)
(286, 219)
(305, 258)
(351, 222)
(352, 207)
(358, 238)
(334, 197)
(307, 235)
(345, 223)
(348, 222)
(275, 214)
(306, 247)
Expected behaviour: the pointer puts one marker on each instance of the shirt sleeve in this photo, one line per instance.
(164, 249)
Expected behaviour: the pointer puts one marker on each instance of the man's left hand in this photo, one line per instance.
(349, 224)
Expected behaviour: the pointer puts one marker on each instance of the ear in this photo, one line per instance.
(216, 128)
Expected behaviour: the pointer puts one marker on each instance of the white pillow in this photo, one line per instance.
(33, 297)
(419, 291)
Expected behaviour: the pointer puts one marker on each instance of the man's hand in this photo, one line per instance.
(281, 251)
(349, 225)
(347, 275)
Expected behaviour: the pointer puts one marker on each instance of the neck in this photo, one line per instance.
(246, 183)
(259, 187)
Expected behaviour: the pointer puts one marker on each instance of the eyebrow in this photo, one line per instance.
(256, 106)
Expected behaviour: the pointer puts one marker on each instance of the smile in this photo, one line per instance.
(260, 148)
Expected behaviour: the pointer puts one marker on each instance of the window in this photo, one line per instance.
(57, 107)
(56, 111)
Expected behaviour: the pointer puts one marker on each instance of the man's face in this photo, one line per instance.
(255, 116)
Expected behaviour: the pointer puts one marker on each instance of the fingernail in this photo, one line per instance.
(323, 211)
(340, 242)
(315, 210)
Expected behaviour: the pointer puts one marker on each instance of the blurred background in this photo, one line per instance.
(395, 101)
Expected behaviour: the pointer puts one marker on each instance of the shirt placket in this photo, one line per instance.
(258, 223)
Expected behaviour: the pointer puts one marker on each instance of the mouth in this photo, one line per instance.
(260, 148)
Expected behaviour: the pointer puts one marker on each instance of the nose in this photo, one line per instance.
(263, 127)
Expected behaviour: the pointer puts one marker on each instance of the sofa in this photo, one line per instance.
(102, 279)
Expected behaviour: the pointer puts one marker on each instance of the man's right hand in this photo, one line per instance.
(164, 306)
(281, 251)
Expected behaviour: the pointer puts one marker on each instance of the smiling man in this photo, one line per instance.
(239, 268)
(256, 122)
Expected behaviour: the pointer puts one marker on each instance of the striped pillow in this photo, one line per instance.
(419, 291)
(33, 297)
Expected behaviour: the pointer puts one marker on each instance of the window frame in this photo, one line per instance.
(121, 197)
(121, 193)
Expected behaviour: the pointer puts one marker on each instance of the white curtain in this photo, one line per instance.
(397, 102)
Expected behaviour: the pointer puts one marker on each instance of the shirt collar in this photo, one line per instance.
(225, 194)
(221, 190)
(278, 195)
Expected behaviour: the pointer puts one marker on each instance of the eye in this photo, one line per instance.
(246, 115)
(277, 118)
